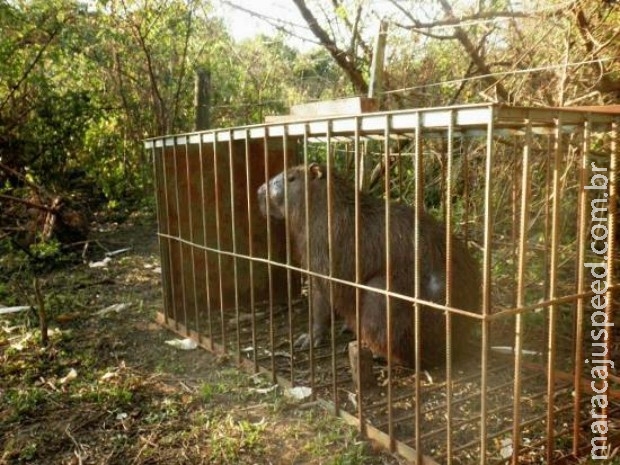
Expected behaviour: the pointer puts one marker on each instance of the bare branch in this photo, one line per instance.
(30, 204)
(481, 16)
(425, 32)
(474, 53)
(454, 21)
(356, 38)
(607, 83)
(342, 58)
(277, 23)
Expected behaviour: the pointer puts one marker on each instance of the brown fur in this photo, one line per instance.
(466, 277)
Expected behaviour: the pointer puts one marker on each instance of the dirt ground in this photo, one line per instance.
(109, 390)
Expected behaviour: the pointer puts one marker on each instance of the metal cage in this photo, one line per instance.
(531, 192)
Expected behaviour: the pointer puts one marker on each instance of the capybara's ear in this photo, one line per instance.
(315, 170)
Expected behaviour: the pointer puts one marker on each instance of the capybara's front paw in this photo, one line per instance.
(304, 341)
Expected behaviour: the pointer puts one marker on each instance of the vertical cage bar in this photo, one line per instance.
(311, 281)
(547, 235)
(611, 252)
(524, 216)
(486, 288)
(359, 175)
(274, 378)
(448, 295)
(553, 283)
(330, 247)
(289, 251)
(514, 230)
(205, 240)
(248, 181)
(400, 172)
(233, 219)
(218, 235)
(162, 219)
(179, 232)
(388, 279)
(579, 317)
(466, 213)
(191, 206)
(417, 267)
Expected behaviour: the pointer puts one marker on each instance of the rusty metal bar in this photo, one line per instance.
(359, 173)
(486, 289)
(579, 317)
(524, 217)
(611, 252)
(448, 294)
(162, 221)
(330, 247)
(417, 266)
(171, 312)
(467, 214)
(191, 207)
(388, 280)
(205, 240)
(289, 253)
(179, 232)
(311, 355)
(269, 259)
(218, 234)
(553, 281)
(547, 215)
(233, 220)
(251, 262)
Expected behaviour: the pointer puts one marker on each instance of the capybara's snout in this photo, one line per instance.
(262, 199)
(269, 193)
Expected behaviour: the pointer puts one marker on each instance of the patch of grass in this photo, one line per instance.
(24, 402)
(112, 397)
(29, 451)
(209, 390)
(332, 433)
(231, 439)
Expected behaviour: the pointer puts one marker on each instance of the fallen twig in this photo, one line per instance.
(77, 450)
(28, 203)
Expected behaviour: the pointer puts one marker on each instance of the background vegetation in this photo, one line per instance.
(83, 83)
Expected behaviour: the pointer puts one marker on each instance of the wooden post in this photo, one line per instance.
(376, 68)
(366, 379)
(202, 98)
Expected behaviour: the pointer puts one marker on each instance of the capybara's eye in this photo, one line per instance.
(291, 177)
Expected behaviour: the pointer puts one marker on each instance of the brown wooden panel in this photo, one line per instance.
(211, 207)
(275, 164)
(163, 228)
(170, 193)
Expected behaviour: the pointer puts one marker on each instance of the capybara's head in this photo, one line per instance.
(295, 178)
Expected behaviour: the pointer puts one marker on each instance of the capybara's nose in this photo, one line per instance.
(262, 190)
(262, 199)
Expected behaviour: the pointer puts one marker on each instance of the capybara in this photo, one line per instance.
(465, 286)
